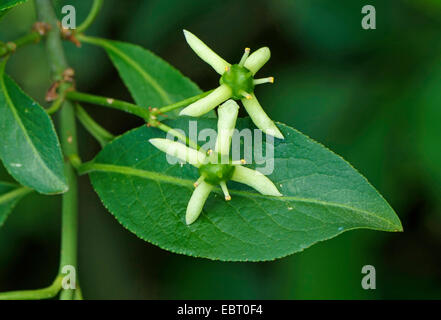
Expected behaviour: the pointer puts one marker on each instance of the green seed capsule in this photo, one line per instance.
(239, 79)
(215, 173)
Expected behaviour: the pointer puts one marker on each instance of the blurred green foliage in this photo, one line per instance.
(373, 96)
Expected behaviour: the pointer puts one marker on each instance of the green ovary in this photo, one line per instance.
(215, 173)
(239, 79)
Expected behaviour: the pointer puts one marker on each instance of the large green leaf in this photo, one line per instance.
(29, 147)
(151, 81)
(323, 196)
(10, 194)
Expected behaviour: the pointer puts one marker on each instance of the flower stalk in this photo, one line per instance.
(99, 133)
(109, 103)
(12, 46)
(96, 7)
(38, 294)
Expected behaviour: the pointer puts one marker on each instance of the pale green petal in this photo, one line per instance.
(205, 53)
(255, 180)
(179, 150)
(257, 59)
(197, 201)
(202, 106)
(226, 123)
(260, 118)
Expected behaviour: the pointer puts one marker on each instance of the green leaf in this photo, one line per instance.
(29, 146)
(7, 4)
(323, 196)
(10, 194)
(151, 81)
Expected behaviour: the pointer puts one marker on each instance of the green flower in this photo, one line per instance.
(216, 167)
(236, 82)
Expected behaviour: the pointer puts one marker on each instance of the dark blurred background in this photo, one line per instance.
(372, 96)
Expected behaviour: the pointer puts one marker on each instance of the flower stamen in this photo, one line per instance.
(246, 94)
(199, 181)
(225, 190)
(263, 80)
(238, 162)
(244, 57)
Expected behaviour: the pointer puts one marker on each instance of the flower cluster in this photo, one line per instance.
(236, 82)
(216, 167)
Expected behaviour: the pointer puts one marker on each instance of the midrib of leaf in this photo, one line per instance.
(4, 198)
(20, 123)
(93, 166)
(136, 66)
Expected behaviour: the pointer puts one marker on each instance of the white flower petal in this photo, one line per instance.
(226, 123)
(255, 180)
(260, 118)
(202, 106)
(205, 53)
(257, 59)
(179, 150)
(197, 201)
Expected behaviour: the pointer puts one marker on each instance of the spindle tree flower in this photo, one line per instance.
(236, 82)
(215, 167)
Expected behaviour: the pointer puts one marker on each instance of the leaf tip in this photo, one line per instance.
(399, 228)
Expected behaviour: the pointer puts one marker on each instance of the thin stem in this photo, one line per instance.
(96, 6)
(75, 160)
(136, 110)
(9, 47)
(99, 133)
(19, 192)
(44, 293)
(183, 103)
(85, 167)
(110, 103)
(68, 135)
(56, 105)
(92, 40)
(31, 37)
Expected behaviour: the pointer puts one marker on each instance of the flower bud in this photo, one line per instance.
(226, 123)
(255, 180)
(202, 106)
(260, 118)
(257, 59)
(180, 151)
(205, 53)
(197, 201)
